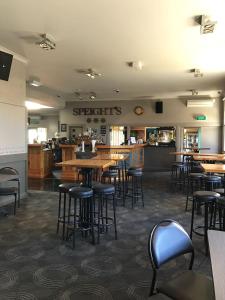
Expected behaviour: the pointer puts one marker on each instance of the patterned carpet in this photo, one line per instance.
(36, 264)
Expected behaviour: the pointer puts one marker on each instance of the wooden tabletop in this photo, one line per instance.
(214, 168)
(6, 177)
(217, 250)
(115, 157)
(88, 163)
(207, 157)
(195, 153)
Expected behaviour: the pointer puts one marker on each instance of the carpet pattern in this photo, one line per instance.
(36, 264)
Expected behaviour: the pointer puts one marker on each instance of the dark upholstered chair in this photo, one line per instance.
(168, 240)
(12, 171)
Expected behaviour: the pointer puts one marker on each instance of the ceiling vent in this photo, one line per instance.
(47, 42)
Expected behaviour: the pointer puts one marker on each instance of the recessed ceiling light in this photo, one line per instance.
(47, 42)
(35, 106)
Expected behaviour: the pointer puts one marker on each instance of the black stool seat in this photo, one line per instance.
(64, 187)
(104, 188)
(81, 192)
(212, 178)
(116, 167)
(109, 174)
(206, 195)
(219, 191)
(7, 191)
(196, 175)
(136, 173)
(197, 169)
(135, 168)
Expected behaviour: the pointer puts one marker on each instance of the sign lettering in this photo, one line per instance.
(102, 111)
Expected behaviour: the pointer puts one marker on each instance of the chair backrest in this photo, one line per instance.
(8, 171)
(168, 240)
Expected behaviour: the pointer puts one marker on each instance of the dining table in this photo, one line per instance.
(215, 168)
(118, 158)
(87, 166)
(216, 240)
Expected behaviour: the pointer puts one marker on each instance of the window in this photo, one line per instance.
(117, 136)
(37, 135)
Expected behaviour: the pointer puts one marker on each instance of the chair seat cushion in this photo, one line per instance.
(212, 178)
(189, 286)
(136, 173)
(8, 191)
(206, 195)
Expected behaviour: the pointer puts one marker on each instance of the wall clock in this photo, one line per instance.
(138, 110)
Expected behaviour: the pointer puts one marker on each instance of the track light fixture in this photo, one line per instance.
(47, 42)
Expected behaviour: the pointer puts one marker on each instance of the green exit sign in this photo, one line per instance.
(200, 117)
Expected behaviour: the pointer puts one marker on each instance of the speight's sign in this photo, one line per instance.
(103, 111)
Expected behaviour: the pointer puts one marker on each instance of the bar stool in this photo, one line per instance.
(194, 184)
(10, 191)
(63, 189)
(212, 182)
(208, 200)
(119, 182)
(134, 185)
(84, 220)
(103, 193)
(12, 171)
(220, 209)
(178, 170)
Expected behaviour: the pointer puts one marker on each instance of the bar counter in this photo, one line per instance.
(40, 161)
(136, 152)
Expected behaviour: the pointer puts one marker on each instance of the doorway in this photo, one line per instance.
(192, 139)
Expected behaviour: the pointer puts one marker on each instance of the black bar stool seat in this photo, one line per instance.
(82, 220)
(208, 200)
(220, 191)
(103, 192)
(212, 182)
(63, 188)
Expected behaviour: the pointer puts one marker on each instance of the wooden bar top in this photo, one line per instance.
(217, 250)
(120, 146)
(214, 168)
(115, 157)
(87, 163)
(67, 146)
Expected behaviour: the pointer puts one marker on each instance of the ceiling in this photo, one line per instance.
(105, 34)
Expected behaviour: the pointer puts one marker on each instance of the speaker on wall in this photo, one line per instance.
(5, 65)
(159, 107)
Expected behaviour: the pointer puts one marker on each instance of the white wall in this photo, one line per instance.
(13, 112)
(175, 113)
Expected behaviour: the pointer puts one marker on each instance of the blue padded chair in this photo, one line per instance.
(167, 241)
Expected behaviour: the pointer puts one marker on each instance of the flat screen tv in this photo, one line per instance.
(5, 65)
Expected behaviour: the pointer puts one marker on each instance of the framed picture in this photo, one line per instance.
(63, 127)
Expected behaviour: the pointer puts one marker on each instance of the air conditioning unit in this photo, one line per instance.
(200, 102)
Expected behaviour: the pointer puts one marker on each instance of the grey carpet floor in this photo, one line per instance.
(36, 264)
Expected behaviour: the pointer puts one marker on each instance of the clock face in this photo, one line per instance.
(138, 110)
